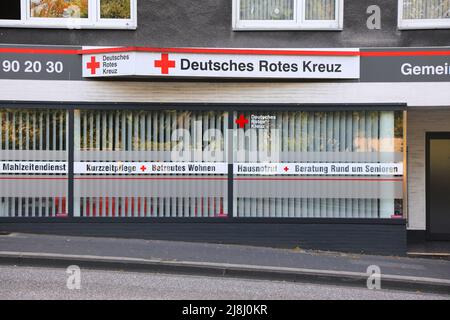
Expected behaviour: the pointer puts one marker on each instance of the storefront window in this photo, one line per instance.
(115, 9)
(151, 164)
(59, 8)
(33, 163)
(424, 14)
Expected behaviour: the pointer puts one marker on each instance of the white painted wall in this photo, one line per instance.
(421, 121)
(415, 94)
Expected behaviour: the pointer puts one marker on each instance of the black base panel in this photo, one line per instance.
(384, 239)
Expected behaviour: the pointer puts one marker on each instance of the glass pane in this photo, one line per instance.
(320, 9)
(267, 10)
(426, 9)
(115, 9)
(59, 8)
(150, 164)
(344, 164)
(33, 163)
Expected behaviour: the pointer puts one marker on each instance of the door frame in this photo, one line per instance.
(430, 136)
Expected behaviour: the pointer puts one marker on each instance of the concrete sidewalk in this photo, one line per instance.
(224, 260)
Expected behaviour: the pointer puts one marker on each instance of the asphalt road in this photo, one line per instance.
(50, 283)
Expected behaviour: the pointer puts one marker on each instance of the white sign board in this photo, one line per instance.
(150, 168)
(323, 169)
(223, 65)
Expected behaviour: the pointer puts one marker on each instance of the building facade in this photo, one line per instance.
(320, 124)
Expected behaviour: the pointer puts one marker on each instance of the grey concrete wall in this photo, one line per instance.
(208, 23)
(419, 122)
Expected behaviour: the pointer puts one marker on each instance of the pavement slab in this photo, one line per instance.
(219, 260)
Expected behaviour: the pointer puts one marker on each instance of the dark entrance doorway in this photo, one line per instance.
(438, 186)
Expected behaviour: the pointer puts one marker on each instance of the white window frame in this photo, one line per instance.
(93, 22)
(405, 24)
(298, 23)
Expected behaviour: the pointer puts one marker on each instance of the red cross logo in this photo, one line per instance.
(241, 121)
(286, 169)
(165, 64)
(143, 168)
(93, 65)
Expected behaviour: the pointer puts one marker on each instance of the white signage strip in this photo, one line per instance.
(323, 169)
(155, 64)
(150, 168)
(213, 168)
(33, 167)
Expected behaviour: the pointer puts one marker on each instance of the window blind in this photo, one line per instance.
(267, 9)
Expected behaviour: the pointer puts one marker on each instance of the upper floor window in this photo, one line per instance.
(424, 14)
(288, 14)
(72, 14)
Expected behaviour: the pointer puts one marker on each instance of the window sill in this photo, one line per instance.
(69, 26)
(240, 29)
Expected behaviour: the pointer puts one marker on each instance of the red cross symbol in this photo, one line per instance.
(143, 168)
(241, 121)
(286, 169)
(165, 64)
(93, 65)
